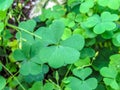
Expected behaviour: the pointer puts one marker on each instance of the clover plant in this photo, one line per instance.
(74, 46)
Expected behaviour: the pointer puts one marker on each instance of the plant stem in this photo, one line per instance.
(18, 29)
(13, 76)
(66, 74)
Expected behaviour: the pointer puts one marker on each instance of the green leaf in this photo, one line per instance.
(115, 62)
(5, 4)
(28, 25)
(57, 29)
(19, 55)
(116, 39)
(37, 86)
(92, 21)
(2, 82)
(77, 39)
(48, 86)
(112, 4)
(108, 72)
(30, 68)
(77, 84)
(2, 14)
(67, 33)
(1, 26)
(82, 62)
(82, 73)
(107, 16)
(85, 6)
(112, 83)
(58, 56)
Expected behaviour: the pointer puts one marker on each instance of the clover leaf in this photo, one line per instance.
(115, 62)
(28, 25)
(1, 26)
(29, 58)
(109, 75)
(2, 82)
(112, 4)
(78, 84)
(82, 73)
(85, 6)
(102, 23)
(116, 39)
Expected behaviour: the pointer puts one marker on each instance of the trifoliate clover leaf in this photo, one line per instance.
(112, 4)
(5, 4)
(115, 62)
(85, 6)
(102, 23)
(59, 53)
(82, 73)
(2, 82)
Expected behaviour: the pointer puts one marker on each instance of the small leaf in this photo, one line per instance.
(37, 86)
(2, 82)
(1, 26)
(115, 62)
(108, 72)
(48, 86)
(82, 73)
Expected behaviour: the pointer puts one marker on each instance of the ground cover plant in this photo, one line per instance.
(74, 46)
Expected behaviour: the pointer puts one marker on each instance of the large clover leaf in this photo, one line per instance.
(59, 53)
(112, 4)
(78, 84)
(102, 23)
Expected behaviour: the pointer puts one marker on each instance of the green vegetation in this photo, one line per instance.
(75, 46)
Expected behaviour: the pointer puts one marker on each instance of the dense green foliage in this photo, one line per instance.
(75, 46)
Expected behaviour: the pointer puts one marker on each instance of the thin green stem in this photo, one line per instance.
(66, 75)
(18, 29)
(13, 76)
